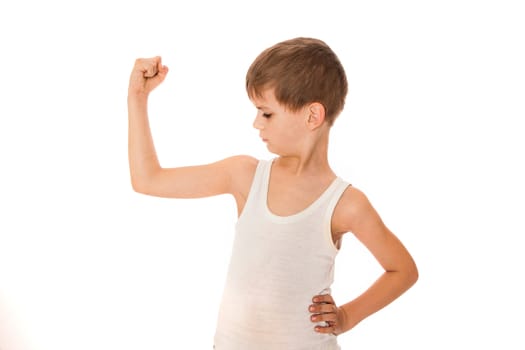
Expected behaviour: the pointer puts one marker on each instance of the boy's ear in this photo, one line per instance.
(316, 115)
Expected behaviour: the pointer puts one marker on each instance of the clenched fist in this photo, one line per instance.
(146, 75)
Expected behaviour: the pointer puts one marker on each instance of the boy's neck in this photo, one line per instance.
(311, 160)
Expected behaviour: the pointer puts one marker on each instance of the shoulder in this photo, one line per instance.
(242, 170)
(352, 211)
(241, 164)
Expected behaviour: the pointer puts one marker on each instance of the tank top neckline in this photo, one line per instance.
(303, 212)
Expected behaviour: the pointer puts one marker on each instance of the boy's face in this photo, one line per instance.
(283, 131)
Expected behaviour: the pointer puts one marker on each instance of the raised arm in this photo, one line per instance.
(230, 175)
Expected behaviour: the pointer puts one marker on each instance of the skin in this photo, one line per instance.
(299, 175)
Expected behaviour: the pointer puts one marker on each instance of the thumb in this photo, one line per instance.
(162, 72)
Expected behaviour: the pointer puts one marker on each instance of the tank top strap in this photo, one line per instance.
(257, 187)
(339, 187)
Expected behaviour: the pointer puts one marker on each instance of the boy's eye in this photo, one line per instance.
(267, 115)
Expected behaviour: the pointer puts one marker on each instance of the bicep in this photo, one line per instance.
(195, 181)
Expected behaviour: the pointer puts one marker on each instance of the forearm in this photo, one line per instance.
(142, 156)
(388, 287)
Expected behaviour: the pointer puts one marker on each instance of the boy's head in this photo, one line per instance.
(300, 71)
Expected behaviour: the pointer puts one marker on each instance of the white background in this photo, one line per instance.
(431, 133)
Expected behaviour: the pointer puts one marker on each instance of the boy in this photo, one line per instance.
(293, 210)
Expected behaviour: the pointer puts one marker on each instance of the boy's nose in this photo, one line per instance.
(257, 123)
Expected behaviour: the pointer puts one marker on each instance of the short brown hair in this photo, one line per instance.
(301, 71)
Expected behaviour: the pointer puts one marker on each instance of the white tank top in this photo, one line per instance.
(278, 264)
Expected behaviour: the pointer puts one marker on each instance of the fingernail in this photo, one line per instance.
(311, 308)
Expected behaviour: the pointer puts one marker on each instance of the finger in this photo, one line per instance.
(323, 298)
(162, 71)
(322, 308)
(148, 67)
(325, 330)
(152, 67)
(330, 317)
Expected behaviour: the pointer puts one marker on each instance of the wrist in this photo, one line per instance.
(347, 318)
(136, 92)
(137, 96)
(342, 317)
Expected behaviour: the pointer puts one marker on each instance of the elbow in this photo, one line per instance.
(138, 186)
(412, 274)
(142, 179)
(135, 187)
(146, 182)
(408, 274)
